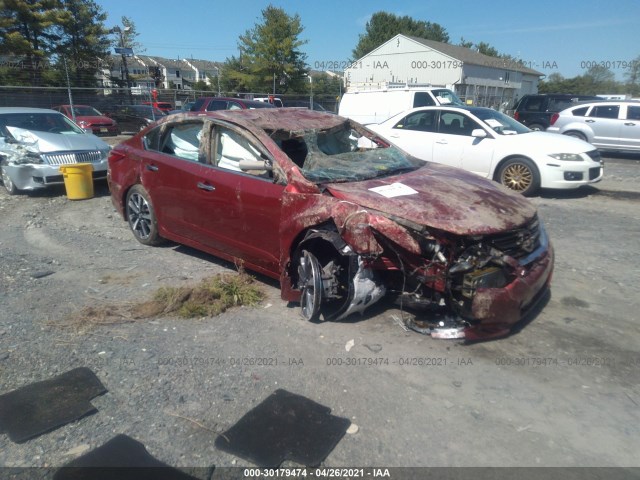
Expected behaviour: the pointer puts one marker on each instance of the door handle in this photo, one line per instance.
(629, 124)
(590, 121)
(204, 186)
(152, 168)
(395, 135)
(442, 142)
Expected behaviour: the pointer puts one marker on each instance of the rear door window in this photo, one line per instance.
(183, 140)
(558, 104)
(633, 112)
(217, 105)
(605, 111)
(579, 112)
(533, 104)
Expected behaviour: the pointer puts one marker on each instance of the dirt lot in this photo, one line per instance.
(563, 391)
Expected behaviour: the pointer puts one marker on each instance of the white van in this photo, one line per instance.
(375, 106)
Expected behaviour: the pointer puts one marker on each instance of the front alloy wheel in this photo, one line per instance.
(520, 175)
(9, 186)
(141, 216)
(310, 281)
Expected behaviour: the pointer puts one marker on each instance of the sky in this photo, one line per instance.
(559, 36)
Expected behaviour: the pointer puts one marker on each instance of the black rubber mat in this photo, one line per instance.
(121, 458)
(43, 406)
(284, 426)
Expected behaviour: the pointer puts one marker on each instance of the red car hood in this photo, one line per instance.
(447, 199)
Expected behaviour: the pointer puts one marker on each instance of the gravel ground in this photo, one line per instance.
(173, 383)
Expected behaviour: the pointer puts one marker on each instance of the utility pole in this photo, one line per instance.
(124, 72)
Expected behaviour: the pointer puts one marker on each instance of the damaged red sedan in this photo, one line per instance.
(338, 215)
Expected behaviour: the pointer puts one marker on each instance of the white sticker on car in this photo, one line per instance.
(394, 190)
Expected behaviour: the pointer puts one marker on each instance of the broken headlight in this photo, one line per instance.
(491, 277)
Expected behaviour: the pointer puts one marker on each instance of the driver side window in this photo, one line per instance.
(420, 121)
(232, 147)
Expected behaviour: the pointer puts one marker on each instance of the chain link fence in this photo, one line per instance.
(48, 97)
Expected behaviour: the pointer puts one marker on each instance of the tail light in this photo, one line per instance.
(554, 117)
(516, 115)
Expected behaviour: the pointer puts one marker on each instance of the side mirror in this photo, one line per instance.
(87, 129)
(245, 165)
(479, 133)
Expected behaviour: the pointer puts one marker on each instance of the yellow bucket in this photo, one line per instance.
(78, 180)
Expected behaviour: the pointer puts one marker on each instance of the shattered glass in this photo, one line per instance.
(345, 154)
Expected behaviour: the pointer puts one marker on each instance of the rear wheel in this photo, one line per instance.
(577, 135)
(141, 216)
(521, 175)
(536, 127)
(9, 186)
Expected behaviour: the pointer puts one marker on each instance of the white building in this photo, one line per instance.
(477, 79)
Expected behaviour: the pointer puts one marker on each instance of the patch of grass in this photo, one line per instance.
(209, 298)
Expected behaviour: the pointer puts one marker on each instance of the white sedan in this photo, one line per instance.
(495, 146)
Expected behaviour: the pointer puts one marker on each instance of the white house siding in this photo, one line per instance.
(404, 61)
(476, 78)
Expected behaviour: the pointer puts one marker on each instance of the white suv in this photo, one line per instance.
(607, 125)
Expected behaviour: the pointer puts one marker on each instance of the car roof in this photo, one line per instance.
(590, 103)
(452, 107)
(74, 105)
(4, 110)
(285, 119)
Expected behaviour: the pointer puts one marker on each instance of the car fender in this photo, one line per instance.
(578, 127)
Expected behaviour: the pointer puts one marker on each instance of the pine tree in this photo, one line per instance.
(269, 54)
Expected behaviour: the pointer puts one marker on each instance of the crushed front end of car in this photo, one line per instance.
(31, 160)
(473, 287)
(468, 257)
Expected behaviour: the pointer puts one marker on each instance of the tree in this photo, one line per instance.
(487, 49)
(596, 80)
(633, 71)
(27, 35)
(383, 26)
(84, 40)
(129, 36)
(269, 55)
(464, 43)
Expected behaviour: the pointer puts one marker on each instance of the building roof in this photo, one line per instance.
(203, 64)
(467, 55)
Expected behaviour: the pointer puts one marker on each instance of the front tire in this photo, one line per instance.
(141, 216)
(310, 280)
(9, 186)
(520, 175)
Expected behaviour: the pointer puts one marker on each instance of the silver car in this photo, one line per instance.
(35, 142)
(608, 125)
